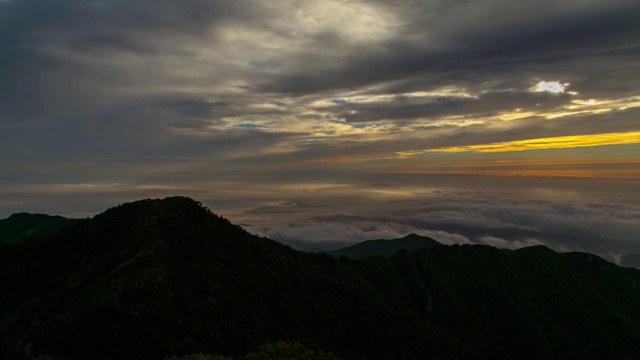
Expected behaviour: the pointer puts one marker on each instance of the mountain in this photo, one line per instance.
(385, 247)
(22, 226)
(156, 278)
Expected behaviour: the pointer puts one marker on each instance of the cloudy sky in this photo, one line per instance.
(507, 123)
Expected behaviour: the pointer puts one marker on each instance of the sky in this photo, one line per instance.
(328, 122)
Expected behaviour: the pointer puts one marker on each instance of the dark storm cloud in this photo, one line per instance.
(44, 45)
(487, 104)
(538, 43)
(537, 127)
(110, 43)
(83, 79)
(85, 19)
(194, 107)
(426, 136)
(48, 43)
(111, 101)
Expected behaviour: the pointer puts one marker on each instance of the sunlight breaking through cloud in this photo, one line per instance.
(243, 102)
(550, 86)
(558, 142)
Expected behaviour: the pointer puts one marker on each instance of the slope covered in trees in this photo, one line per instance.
(158, 278)
(384, 247)
(22, 226)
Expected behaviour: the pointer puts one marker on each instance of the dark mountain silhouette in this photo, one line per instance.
(384, 247)
(22, 226)
(313, 249)
(156, 278)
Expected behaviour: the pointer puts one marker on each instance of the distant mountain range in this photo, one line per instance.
(384, 247)
(156, 278)
(22, 226)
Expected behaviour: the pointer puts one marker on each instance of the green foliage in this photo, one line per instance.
(20, 227)
(385, 248)
(288, 351)
(154, 278)
(199, 356)
(280, 350)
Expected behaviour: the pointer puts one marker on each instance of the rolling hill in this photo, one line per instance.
(384, 247)
(156, 278)
(22, 226)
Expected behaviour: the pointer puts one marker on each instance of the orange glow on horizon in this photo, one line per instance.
(558, 142)
(577, 173)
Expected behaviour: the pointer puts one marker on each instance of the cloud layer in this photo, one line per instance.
(248, 103)
(453, 216)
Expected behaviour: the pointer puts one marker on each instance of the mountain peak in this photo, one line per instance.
(176, 218)
(536, 249)
(159, 205)
(21, 226)
(171, 209)
(415, 236)
(384, 247)
(156, 278)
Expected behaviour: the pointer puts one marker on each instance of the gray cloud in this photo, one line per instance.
(541, 42)
(230, 102)
(470, 217)
(487, 104)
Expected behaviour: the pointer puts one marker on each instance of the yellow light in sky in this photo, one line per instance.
(558, 142)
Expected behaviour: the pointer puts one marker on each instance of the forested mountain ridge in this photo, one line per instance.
(156, 278)
(22, 226)
(385, 247)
